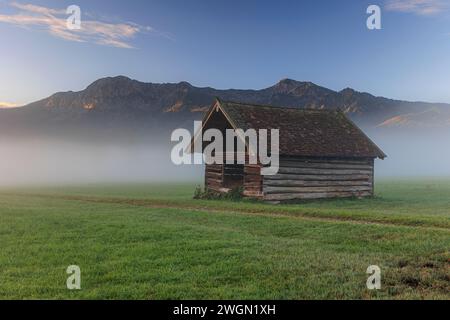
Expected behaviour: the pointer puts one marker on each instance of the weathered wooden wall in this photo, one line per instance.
(223, 178)
(253, 181)
(320, 178)
(214, 176)
(297, 179)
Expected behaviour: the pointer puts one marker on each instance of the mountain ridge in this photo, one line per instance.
(123, 102)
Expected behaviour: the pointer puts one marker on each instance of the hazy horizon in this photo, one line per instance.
(41, 162)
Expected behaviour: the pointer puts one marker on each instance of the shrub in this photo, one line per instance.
(198, 193)
(235, 194)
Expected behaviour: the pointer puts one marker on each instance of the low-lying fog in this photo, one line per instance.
(412, 154)
(41, 162)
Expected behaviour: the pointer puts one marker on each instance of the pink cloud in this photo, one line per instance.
(422, 7)
(53, 21)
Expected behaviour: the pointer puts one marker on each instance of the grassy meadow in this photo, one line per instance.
(155, 242)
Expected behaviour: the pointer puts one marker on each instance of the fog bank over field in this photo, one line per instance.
(34, 161)
(413, 154)
(50, 163)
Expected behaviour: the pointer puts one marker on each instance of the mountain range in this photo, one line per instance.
(120, 103)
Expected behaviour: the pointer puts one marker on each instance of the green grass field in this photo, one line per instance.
(156, 242)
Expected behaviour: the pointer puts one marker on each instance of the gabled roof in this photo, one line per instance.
(303, 132)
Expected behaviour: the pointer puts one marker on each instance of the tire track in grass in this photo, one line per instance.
(161, 204)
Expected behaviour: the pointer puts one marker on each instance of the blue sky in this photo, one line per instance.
(227, 44)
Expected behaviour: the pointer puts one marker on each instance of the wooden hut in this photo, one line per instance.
(323, 154)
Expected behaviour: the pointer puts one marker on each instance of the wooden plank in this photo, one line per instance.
(253, 176)
(324, 165)
(289, 170)
(214, 166)
(214, 175)
(215, 182)
(354, 177)
(214, 179)
(255, 171)
(215, 188)
(252, 182)
(307, 196)
(253, 191)
(214, 170)
(253, 187)
(252, 166)
(253, 194)
(326, 183)
(353, 189)
(318, 160)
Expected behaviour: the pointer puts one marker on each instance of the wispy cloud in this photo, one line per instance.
(54, 21)
(421, 7)
(6, 105)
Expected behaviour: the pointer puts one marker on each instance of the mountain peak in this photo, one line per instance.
(112, 87)
(300, 89)
(348, 91)
(294, 83)
(287, 81)
(184, 84)
(107, 81)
